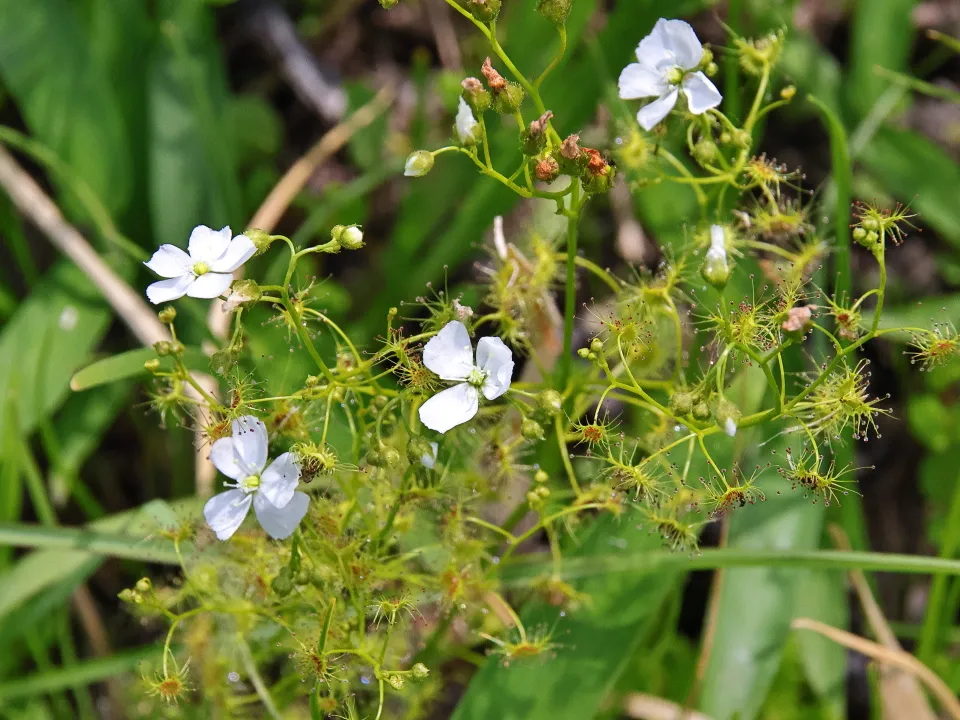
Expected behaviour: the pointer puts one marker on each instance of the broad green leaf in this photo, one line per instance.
(51, 334)
(595, 641)
(84, 673)
(822, 595)
(130, 365)
(192, 169)
(46, 62)
(882, 34)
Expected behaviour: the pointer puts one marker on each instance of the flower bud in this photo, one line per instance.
(167, 315)
(534, 138)
(475, 95)
(681, 403)
(419, 448)
(418, 164)
(531, 430)
(391, 457)
(350, 237)
(556, 11)
(484, 10)
(282, 584)
(584, 353)
(126, 595)
(261, 239)
(788, 92)
(597, 175)
(715, 269)
(798, 320)
(508, 100)
(711, 69)
(540, 477)
(596, 345)
(162, 347)
(550, 402)
(728, 416)
(396, 681)
(706, 58)
(143, 585)
(705, 151)
(742, 139)
(152, 365)
(303, 577)
(387, 4)
(420, 671)
(374, 458)
(546, 169)
(468, 130)
(243, 293)
(701, 411)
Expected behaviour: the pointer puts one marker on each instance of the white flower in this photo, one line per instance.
(418, 164)
(468, 129)
(206, 272)
(666, 58)
(730, 426)
(450, 355)
(271, 491)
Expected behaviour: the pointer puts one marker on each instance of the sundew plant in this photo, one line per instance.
(394, 512)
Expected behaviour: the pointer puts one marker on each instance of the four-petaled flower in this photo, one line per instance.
(450, 355)
(667, 59)
(271, 491)
(206, 272)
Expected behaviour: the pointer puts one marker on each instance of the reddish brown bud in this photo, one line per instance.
(797, 319)
(547, 169)
(596, 165)
(495, 80)
(471, 84)
(539, 125)
(570, 148)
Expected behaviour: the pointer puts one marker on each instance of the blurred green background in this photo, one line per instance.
(143, 119)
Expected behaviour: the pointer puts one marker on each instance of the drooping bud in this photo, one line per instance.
(167, 315)
(243, 293)
(534, 138)
(349, 237)
(556, 11)
(715, 269)
(468, 130)
(261, 239)
(418, 164)
(484, 10)
(531, 429)
(475, 95)
(681, 403)
(728, 416)
(550, 402)
(282, 584)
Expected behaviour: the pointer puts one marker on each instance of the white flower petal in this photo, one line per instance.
(280, 480)
(166, 290)
(717, 238)
(450, 408)
(225, 459)
(250, 442)
(225, 512)
(466, 123)
(680, 41)
(496, 360)
(240, 249)
(207, 244)
(170, 262)
(449, 353)
(210, 285)
(652, 52)
(280, 523)
(650, 115)
(429, 460)
(701, 93)
(638, 81)
(730, 427)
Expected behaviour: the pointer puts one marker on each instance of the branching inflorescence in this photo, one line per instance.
(409, 472)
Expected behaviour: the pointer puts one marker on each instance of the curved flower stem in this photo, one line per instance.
(562, 31)
(565, 455)
(570, 297)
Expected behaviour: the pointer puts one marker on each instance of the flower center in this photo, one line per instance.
(200, 268)
(675, 75)
(476, 377)
(250, 483)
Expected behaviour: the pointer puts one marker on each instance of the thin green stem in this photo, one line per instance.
(570, 298)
